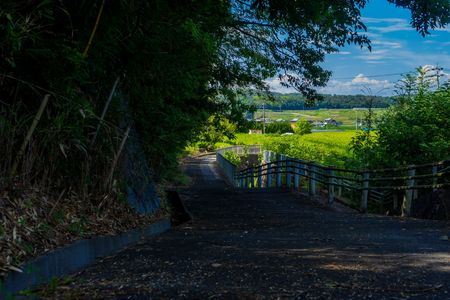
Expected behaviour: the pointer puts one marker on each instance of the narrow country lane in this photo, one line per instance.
(257, 245)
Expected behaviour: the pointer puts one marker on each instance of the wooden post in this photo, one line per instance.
(269, 175)
(409, 193)
(435, 178)
(235, 180)
(246, 182)
(340, 181)
(297, 175)
(288, 172)
(330, 174)
(260, 176)
(312, 181)
(279, 164)
(365, 192)
(395, 200)
(266, 155)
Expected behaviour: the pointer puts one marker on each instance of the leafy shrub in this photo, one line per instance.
(216, 131)
(233, 157)
(278, 127)
(303, 127)
(414, 131)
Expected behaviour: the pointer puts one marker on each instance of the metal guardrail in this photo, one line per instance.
(228, 168)
(249, 149)
(370, 186)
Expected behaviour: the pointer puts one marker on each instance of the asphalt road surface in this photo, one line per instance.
(272, 245)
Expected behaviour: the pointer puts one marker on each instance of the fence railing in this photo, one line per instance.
(228, 168)
(398, 186)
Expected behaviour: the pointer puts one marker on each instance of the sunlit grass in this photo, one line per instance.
(332, 148)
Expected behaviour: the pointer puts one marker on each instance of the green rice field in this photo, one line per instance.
(346, 116)
(331, 148)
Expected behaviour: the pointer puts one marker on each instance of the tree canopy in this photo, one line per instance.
(414, 130)
(179, 62)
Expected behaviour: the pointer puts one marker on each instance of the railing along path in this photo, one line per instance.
(397, 185)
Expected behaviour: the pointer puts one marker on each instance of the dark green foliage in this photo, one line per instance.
(296, 101)
(215, 131)
(179, 62)
(278, 127)
(273, 127)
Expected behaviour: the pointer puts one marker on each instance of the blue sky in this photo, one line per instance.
(396, 48)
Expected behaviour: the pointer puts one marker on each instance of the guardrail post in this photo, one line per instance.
(365, 192)
(435, 178)
(312, 179)
(297, 167)
(246, 181)
(269, 175)
(409, 193)
(330, 174)
(252, 178)
(340, 181)
(266, 155)
(260, 176)
(279, 164)
(288, 172)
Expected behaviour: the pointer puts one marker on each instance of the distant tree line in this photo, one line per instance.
(296, 101)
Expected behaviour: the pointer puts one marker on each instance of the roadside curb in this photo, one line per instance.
(72, 258)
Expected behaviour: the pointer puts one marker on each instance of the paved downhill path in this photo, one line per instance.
(254, 245)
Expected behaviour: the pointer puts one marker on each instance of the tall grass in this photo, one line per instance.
(58, 155)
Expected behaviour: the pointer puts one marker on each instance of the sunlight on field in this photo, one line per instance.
(324, 147)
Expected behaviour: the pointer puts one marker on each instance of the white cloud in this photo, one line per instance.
(359, 84)
(385, 25)
(376, 55)
(387, 44)
(382, 20)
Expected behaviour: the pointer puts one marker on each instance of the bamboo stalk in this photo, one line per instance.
(29, 134)
(105, 108)
(94, 30)
(116, 158)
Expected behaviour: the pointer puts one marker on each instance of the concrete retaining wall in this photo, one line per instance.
(74, 257)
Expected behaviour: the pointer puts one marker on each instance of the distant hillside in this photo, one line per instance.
(297, 101)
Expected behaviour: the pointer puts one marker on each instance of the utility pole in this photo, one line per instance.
(357, 120)
(264, 119)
